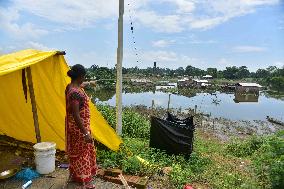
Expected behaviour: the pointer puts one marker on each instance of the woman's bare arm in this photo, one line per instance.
(87, 83)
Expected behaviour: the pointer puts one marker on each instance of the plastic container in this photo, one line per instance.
(45, 157)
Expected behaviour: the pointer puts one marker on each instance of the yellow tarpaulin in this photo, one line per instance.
(49, 80)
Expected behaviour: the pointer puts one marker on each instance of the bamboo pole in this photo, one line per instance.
(119, 70)
(33, 102)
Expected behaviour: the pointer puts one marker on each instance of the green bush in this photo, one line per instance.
(180, 175)
(267, 156)
(244, 148)
(268, 162)
(134, 125)
(132, 165)
(185, 171)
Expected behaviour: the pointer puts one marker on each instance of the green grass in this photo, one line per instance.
(256, 162)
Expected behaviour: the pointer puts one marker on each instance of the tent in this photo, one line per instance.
(48, 77)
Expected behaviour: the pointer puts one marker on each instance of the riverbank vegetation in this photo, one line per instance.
(254, 162)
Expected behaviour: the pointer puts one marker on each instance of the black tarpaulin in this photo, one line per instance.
(173, 135)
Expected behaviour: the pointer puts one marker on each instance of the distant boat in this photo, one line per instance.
(273, 120)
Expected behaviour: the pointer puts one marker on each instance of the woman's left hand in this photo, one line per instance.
(89, 139)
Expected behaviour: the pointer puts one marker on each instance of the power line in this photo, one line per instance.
(132, 32)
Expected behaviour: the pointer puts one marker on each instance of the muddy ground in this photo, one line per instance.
(220, 127)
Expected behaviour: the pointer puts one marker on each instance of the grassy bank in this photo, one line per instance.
(256, 162)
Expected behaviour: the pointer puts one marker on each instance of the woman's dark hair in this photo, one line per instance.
(76, 71)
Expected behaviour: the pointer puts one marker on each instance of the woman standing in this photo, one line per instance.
(79, 142)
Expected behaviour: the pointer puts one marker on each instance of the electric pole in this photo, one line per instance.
(119, 70)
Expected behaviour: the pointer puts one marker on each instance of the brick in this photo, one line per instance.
(133, 179)
(100, 173)
(142, 183)
(115, 180)
(113, 172)
(136, 181)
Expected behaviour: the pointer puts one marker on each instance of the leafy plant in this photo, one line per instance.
(134, 125)
(268, 162)
(244, 148)
(267, 155)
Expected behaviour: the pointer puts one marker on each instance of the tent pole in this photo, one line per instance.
(33, 102)
(119, 70)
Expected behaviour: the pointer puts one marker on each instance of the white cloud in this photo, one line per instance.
(260, 2)
(221, 11)
(248, 49)
(162, 43)
(184, 6)
(197, 14)
(8, 22)
(72, 13)
(38, 46)
(207, 23)
(25, 45)
(160, 23)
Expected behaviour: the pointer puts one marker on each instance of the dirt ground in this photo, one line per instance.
(56, 180)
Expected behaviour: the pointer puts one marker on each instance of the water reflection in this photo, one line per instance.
(101, 94)
(239, 97)
(226, 105)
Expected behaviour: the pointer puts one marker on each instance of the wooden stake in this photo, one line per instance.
(153, 104)
(33, 102)
(169, 102)
(124, 182)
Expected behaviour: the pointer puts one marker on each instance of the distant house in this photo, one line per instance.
(248, 88)
(185, 82)
(141, 82)
(207, 77)
(173, 84)
(201, 83)
(166, 86)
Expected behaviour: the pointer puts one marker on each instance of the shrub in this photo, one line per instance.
(267, 155)
(244, 148)
(268, 162)
(134, 125)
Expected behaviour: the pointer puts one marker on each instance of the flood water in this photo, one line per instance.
(218, 105)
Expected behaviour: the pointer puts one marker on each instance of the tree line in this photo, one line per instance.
(272, 75)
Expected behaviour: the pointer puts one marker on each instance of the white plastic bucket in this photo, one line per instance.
(45, 157)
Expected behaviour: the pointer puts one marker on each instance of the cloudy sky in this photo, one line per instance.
(174, 33)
